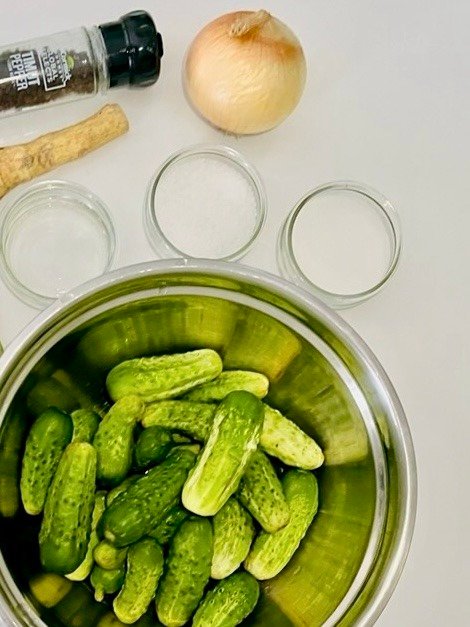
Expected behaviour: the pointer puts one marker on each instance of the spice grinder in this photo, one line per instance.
(322, 375)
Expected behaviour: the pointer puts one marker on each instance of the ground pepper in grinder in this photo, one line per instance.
(79, 63)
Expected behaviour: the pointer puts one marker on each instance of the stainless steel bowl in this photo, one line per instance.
(322, 375)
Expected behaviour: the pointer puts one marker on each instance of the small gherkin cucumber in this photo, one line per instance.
(232, 441)
(144, 504)
(108, 556)
(165, 531)
(152, 446)
(85, 568)
(66, 526)
(144, 569)
(14, 428)
(280, 437)
(106, 581)
(283, 439)
(233, 534)
(49, 589)
(119, 489)
(111, 620)
(47, 439)
(230, 381)
(114, 439)
(260, 491)
(187, 572)
(229, 603)
(85, 425)
(158, 378)
(189, 417)
(271, 552)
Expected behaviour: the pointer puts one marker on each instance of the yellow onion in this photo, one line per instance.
(245, 72)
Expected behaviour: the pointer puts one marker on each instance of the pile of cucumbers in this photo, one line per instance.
(171, 496)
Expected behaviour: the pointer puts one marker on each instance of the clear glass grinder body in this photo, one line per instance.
(79, 63)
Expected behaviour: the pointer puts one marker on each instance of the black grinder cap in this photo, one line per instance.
(134, 48)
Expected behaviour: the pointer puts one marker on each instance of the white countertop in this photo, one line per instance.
(387, 104)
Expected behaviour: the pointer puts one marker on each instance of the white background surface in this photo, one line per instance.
(386, 103)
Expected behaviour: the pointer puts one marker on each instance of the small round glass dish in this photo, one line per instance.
(54, 236)
(205, 202)
(341, 242)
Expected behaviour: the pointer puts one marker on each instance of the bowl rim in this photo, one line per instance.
(406, 460)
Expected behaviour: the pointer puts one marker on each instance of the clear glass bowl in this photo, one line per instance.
(205, 202)
(54, 236)
(342, 242)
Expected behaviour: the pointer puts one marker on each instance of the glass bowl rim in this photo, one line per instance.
(290, 268)
(160, 243)
(56, 188)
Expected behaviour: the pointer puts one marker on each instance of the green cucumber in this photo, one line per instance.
(144, 569)
(106, 581)
(49, 589)
(111, 620)
(144, 504)
(233, 534)
(108, 556)
(46, 441)
(158, 378)
(114, 439)
(85, 568)
(119, 489)
(66, 526)
(229, 603)
(283, 439)
(152, 446)
(85, 425)
(167, 528)
(271, 552)
(260, 491)
(12, 435)
(49, 393)
(280, 437)
(187, 572)
(232, 441)
(189, 417)
(230, 381)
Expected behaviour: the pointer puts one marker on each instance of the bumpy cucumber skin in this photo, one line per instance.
(46, 441)
(230, 381)
(232, 441)
(106, 581)
(109, 557)
(159, 378)
(144, 569)
(229, 603)
(189, 417)
(233, 534)
(260, 491)
(165, 531)
(66, 526)
(152, 446)
(271, 552)
(85, 568)
(114, 440)
(148, 500)
(280, 437)
(283, 439)
(85, 425)
(119, 489)
(187, 572)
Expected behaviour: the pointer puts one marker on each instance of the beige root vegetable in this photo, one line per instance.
(24, 162)
(245, 72)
